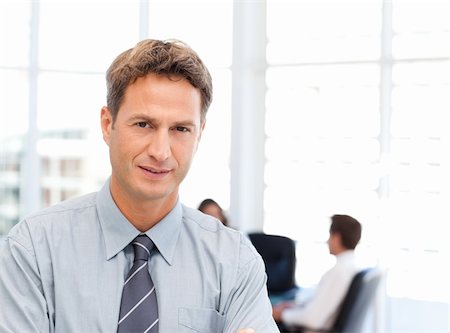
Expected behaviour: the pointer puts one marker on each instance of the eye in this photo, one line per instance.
(182, 129)
(142, 124)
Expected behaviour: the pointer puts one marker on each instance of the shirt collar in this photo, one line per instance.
(346, 255)
(119, 232)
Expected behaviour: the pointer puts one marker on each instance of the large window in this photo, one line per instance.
(357, 123)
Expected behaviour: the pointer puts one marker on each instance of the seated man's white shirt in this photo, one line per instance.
(321, 309)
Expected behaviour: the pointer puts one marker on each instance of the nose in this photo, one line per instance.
(159, 146)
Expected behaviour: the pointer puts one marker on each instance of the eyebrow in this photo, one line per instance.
(144, 117)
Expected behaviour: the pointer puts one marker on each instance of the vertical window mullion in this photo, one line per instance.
(30, 189)
(385, 94)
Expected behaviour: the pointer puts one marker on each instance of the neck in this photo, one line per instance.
(145, 214)
(342, 251)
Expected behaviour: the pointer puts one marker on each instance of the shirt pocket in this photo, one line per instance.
(200, 320)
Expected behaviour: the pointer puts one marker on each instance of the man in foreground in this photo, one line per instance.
(131, 257)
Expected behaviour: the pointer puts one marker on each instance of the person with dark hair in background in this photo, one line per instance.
(320, 310)
(131, 257)
(211, 207)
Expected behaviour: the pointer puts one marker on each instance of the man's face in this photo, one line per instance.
(333, 243)
(153, 139)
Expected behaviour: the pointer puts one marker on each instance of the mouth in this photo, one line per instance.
(154, 170)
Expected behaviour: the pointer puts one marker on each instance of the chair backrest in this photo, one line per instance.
(357, 301)
(278, 254)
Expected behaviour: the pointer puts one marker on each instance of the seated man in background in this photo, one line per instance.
(320, 311)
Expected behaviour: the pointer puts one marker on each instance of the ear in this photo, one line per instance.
(106, 123)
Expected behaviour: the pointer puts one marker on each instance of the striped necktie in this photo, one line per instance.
(139, 309)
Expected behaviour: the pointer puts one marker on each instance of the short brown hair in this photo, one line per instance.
(210, 202)
(172, 58)
(349, 229)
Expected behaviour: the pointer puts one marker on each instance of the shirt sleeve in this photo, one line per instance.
(317, 312)
(250, 305)
(23, 306)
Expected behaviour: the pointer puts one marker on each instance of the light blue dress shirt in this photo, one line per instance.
(62, 270)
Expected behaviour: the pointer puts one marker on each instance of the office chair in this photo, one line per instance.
(355, 305)
(278, 254)
(358, 301)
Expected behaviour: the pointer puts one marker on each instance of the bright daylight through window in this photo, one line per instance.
(357, 121)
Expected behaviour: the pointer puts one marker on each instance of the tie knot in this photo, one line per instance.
(143, 246)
